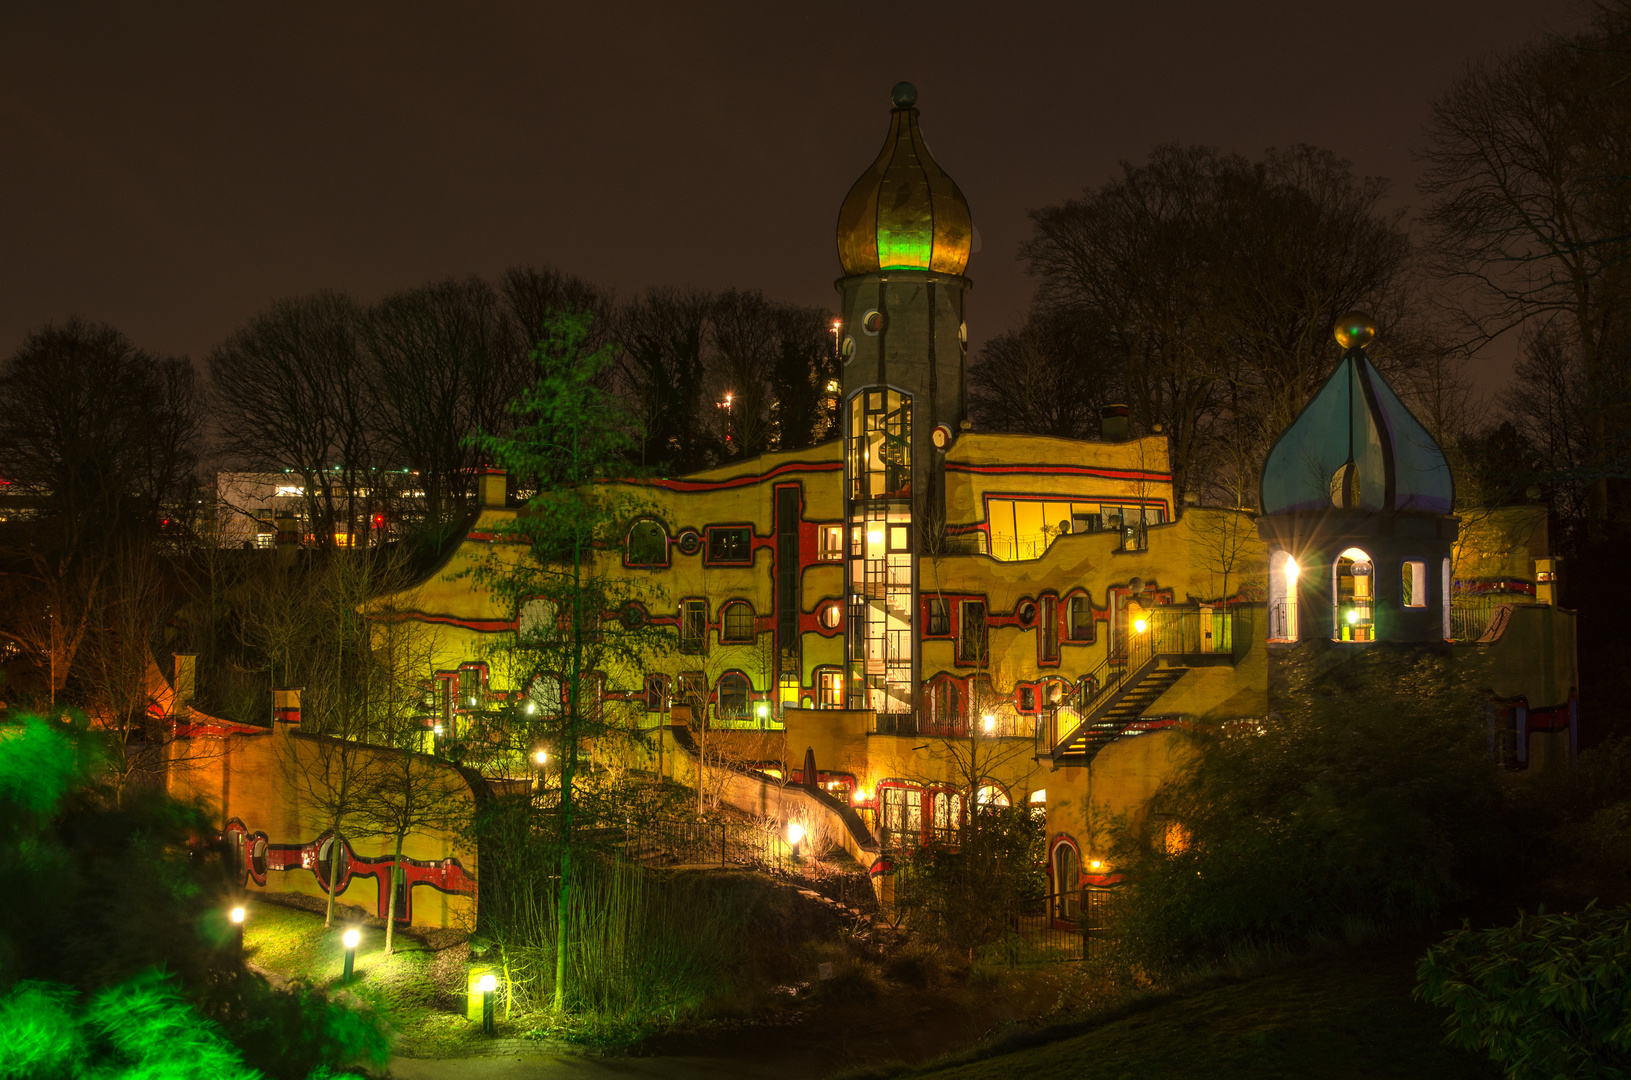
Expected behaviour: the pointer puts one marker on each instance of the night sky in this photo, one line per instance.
(172, 168)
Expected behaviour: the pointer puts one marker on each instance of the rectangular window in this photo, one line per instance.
(738, 622)
(832, 543)
(1415, 583)
(971, 639)
(1081, 619)
(939, 617)
(1050, 628)
(694, 626)
(830, 688)
(1027, 699)
(730, 545)
(656, 693)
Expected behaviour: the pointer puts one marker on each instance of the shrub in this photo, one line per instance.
(1370, 800)
(1546, 997)
(965, 896)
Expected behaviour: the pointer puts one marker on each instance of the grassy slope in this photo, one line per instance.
(294, 944)
(1347, 1015)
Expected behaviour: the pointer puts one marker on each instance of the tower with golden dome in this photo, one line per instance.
(904, 239)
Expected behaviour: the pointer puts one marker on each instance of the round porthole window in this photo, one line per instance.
(962, 333)
(848, 349)
(633, 616)
(1027, 613)
(831, 613)
(257, 857)
(689, 542)
(872, 322)
(940, 436)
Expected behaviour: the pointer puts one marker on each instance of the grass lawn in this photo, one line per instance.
(1346, 1015)
(293, 944)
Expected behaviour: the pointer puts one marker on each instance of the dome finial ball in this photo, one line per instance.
(904, 95)
(1355, 330)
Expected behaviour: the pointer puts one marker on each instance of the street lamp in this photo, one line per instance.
(487, 984)
(237, 916)
(350, 938)
(795, 833)
(540, 758)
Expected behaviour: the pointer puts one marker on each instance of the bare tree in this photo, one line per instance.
(1527, 162)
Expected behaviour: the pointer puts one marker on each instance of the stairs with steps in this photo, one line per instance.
(1112, 716)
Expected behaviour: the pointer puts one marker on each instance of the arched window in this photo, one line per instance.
(539, 620)
(733, 697)
(947, 815)
(1067, 880)
(946, 708)
(648, 544)
(1353, 595)
(546, 696)
(991, 795)
(1283, 574)
(736, 623)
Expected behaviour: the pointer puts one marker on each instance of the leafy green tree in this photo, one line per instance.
(581, 623)
(1367, 798)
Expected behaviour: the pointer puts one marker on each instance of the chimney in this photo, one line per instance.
(490, 488)
(286, 706)
(1113, 423)
(186, 674)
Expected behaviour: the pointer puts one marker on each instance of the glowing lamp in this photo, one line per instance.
(795, 833)
(1291, 570)
(832, 386)
(989, 721)
(486, 984)
(1140, 625)
(437, 729)
(1353, 616)
(763, 709)
(541, 756)
(861, 795)
(351, 937)
(238, 915)
(532, 707)
(1095, 865)
(875, 536)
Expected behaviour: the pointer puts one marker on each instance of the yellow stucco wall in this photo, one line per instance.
(246, 779)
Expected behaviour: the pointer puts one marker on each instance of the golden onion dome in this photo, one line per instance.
(904, 213)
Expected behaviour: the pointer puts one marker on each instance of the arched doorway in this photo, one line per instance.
(1353, 596)
(1067, 881)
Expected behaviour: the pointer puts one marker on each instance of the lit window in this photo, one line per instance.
(738, 622)
(830, 686)
(832, 543)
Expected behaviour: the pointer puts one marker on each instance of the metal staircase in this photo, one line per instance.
(1131, 679)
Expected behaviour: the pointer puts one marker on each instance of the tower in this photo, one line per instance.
(904, 238)
(1357, 502)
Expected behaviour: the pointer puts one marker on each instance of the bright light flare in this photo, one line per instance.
(1095, 865)
(795, 833)
(238, 915)
(351, 937)
(1353, 617)
(989, 721)
(1140, 625)
(541, 757)
(486, 984)
(1292, 570)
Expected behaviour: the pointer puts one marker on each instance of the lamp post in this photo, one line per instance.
(350, 938)
(795, 834)
(237, 916)
(487, 985)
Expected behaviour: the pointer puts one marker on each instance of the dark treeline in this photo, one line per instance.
(373, 406)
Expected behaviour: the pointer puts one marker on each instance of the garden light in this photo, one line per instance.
(238, 915)
(350, 939)
(541, 757)
(487, 984)
(795, 833)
